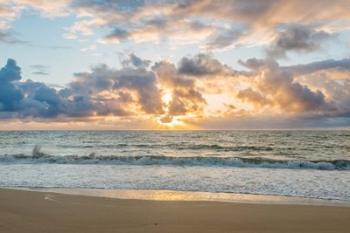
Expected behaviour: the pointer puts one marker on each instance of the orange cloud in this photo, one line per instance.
(165, 95)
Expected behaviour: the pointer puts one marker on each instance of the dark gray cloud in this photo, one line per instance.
(118, 34)
(135, 61)
(253, 63)
(202, 65)
(40, 101)
(33, 99)
(144, 82)
(343, 64)
(10, 95)
(224, 38)
(297, 38)
(301, 69)
(157, 22)
(10, 72)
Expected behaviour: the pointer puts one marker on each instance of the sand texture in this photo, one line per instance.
(38, 212)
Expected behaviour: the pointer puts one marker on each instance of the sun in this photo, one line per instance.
(168, 121)
(167, 97)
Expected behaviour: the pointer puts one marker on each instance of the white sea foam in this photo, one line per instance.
(333, 185)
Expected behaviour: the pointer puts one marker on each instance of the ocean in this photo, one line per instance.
(310, 163)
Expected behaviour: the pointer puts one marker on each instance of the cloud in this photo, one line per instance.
(251, 96)
(47, 8)
(144, 83)
(11, 9)
(8, 38)
(167, 93)
(317, 90)
(224, 38)
(31, 99)
(10, 72)
(131, 90)
(135, 61)
(343, 64)
(129, 87)
(277, 86)
(40, 69)
(40, 101)
(219, 24)
(117, 35)
(101, 92)
(185, 96)
(297, 38)
(7, 14)
(10, 95)
(202, 65)
(211, 24)
(253, 63)
(300, 69)
(116, 5)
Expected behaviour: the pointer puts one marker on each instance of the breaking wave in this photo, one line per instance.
(176, 146)
(256, 162)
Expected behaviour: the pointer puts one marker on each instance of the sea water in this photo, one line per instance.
(310, 163)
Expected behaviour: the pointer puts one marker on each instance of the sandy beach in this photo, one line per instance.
(40, 212)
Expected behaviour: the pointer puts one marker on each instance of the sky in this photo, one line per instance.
(174, 64)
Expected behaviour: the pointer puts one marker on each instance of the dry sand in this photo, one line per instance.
(37, 212)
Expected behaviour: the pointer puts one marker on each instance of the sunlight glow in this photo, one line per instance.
(167, 97)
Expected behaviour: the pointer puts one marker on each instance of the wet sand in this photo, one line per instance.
(40, 212)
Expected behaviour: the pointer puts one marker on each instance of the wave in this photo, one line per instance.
(256, 162)
(223, 148)
(176, 146)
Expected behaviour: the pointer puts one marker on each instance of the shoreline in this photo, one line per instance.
(36, 212)
(194, 196)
